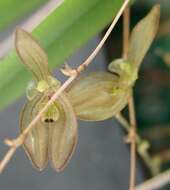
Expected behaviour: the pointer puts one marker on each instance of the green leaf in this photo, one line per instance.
(69, 27)
(12, 11)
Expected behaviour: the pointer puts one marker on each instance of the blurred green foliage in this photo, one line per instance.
(12, 11)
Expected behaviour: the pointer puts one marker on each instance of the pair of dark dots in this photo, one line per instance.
(48, 120)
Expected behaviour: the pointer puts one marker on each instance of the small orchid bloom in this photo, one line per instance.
(101, 95)
(54, 137)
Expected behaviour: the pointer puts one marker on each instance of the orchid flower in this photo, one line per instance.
(101, 95)
(54, 137)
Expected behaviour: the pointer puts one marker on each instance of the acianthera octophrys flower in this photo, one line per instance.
(55, 135)
(101, 95)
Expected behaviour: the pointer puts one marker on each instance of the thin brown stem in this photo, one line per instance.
(133, 143)
(126, 32)
(126, 125)
(7, 157)
(142, 148)
(132, 116)
(14, 144)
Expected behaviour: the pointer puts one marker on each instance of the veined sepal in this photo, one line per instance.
(98, 96)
